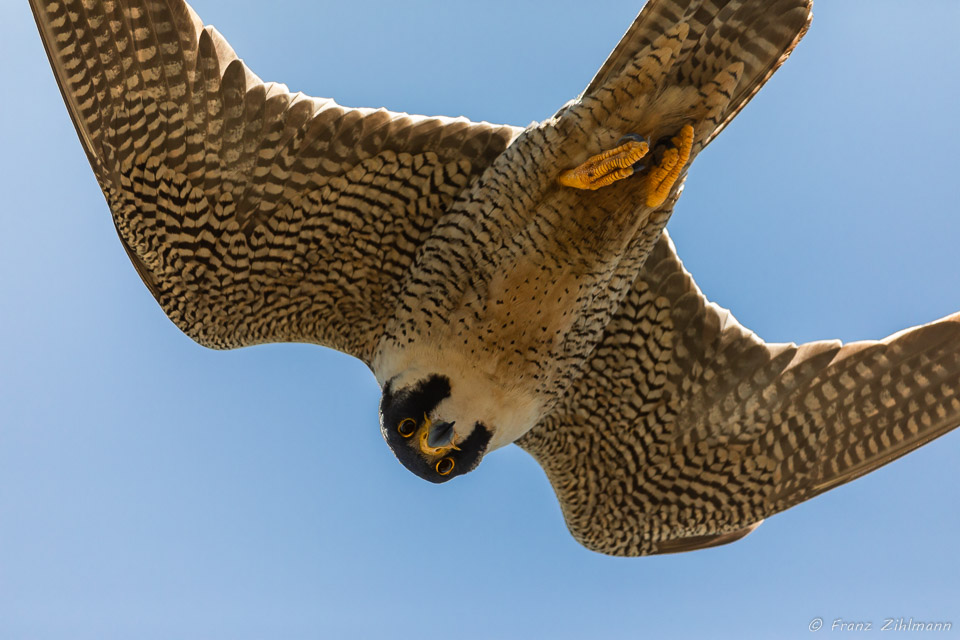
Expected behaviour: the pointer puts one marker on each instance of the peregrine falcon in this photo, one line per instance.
(504, 284)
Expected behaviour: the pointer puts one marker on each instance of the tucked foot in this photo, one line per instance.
(664, 175)
(608, 167)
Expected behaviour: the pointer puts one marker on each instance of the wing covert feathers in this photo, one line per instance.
(252, 214)
(685, 429)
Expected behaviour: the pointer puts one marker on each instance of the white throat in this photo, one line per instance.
(508, 410)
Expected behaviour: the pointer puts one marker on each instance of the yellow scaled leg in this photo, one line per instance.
(606, 168)
(662, 177)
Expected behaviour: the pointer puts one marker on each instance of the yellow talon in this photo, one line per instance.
(663, 176)
(606, 168)
(616, 164)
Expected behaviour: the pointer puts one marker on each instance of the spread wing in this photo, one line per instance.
(686, 429)
(252, 214)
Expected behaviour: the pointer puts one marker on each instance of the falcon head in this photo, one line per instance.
(432, 447)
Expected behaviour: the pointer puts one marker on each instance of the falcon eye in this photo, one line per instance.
(406, 427)
(445, 466)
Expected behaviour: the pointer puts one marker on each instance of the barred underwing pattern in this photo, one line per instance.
(686, 429)
(256, 215)
(253, 214)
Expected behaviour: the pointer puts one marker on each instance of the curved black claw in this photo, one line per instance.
(636, 137)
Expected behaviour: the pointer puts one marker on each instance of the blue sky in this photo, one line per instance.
(150, 488)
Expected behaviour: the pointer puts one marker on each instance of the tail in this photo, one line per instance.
(721, 51)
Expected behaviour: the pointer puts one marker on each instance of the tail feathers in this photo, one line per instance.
(760, 36)
(749, 39)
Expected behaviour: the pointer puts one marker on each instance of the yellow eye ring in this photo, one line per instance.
(445, 466)
(407, 427)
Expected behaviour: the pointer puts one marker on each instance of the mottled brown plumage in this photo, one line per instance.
(484, 295)
(686, 428)
(253, 214)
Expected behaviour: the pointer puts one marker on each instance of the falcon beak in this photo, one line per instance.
(440, 435)
(437, 437)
